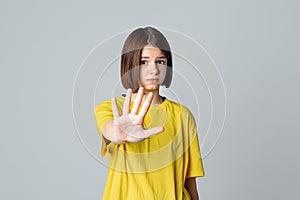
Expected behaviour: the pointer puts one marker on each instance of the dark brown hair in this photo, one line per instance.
(131, 55)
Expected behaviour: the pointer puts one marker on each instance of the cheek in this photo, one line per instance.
(142, 73)
(163, 71)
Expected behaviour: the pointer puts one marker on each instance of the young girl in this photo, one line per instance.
(151, 142)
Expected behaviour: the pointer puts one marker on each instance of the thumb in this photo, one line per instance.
(154, 131)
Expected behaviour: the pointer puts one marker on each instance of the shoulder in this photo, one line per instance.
(180, 108)
(107, 104)
(103, 106)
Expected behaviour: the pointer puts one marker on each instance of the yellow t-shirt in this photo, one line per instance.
(155, 168)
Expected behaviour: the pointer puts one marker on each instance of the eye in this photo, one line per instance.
(143, 62)
(161, 62)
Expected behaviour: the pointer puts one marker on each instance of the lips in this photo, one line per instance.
(153, 80)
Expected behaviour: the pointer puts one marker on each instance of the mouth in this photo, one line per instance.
(153, 80)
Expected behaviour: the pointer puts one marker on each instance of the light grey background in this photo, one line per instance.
(254, 43)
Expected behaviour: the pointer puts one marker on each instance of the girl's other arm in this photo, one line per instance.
(191, 186)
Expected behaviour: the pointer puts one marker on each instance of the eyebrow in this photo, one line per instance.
(149, 57)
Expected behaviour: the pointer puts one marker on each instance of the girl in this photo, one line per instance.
(151, 142)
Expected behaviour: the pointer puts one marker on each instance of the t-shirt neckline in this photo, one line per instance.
(163, 104)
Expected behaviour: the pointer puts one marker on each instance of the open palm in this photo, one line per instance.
(130, 123)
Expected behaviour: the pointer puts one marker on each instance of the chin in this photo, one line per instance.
(151, 87)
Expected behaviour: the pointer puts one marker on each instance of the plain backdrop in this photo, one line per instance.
(255, 45)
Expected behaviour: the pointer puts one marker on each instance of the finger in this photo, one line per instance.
(115, 108)
(146, 133)
(137, 101)
(126, 104)
(146, 105)
(133, 139)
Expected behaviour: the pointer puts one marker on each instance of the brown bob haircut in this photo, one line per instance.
(132, 51)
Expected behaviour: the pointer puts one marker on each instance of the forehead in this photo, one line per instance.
(151, 52)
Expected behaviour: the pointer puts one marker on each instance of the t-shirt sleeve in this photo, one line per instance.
(103, 113)
(195, 164)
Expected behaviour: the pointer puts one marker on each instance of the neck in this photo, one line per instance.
(156, 98)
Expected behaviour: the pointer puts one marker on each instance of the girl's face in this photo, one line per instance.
(153, 67)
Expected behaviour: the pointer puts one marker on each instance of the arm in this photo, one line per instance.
(191, 186)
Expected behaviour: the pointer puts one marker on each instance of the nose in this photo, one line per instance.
(153, 68)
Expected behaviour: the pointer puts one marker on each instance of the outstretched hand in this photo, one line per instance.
(130, 123)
